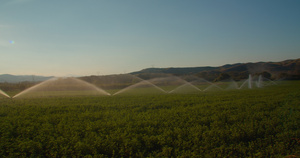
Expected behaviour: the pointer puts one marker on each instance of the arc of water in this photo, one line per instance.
(243, 84)
(272, 82)
(150, 84)
(93, 86)
(30, 88)
(131, 86)
(261, 81)
(192, 85)
(137, 84)
(136, 77)
(187, 83)
(232, 85)
(202, 79)
(52, 79)
(169, 77)
(156, 86)
(213, 85)
(236, 86)
(3, 93)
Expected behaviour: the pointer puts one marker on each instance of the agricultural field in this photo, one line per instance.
(259, 122)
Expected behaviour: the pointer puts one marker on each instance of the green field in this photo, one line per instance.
(261, 122)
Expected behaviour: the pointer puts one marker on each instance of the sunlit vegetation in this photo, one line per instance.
(261, 122)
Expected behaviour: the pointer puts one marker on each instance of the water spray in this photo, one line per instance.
(3, 93)
(250, 82)
(76, 86)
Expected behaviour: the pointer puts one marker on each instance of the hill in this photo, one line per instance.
(22, 78)
(289, 69)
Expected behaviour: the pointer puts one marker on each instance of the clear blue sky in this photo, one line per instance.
(91, 37)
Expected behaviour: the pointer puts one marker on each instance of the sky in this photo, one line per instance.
(101, 37)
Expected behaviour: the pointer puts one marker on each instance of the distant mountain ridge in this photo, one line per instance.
(22, 78)
(288, 69)
(177, 71)
(284, 69)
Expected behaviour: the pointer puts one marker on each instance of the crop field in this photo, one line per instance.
(259, 122)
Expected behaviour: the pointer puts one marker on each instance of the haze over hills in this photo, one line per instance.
(289, 69)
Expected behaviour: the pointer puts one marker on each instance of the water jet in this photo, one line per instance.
(3, 93)
(62, 87)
